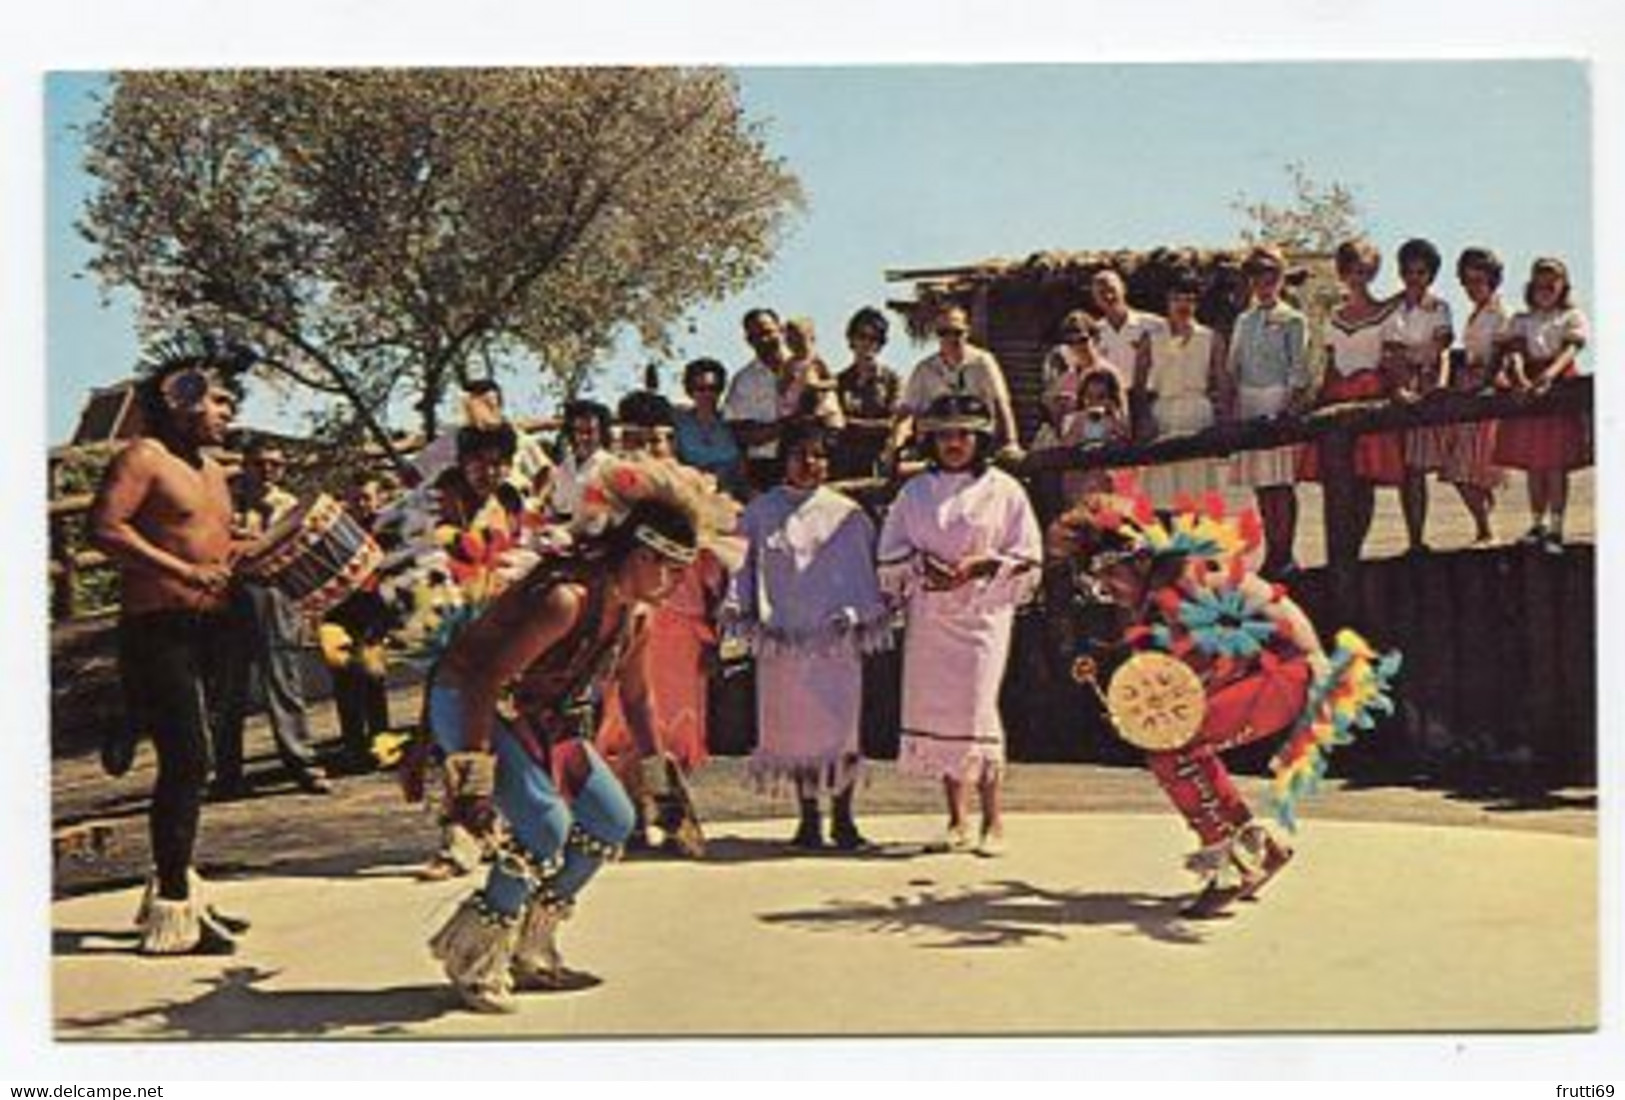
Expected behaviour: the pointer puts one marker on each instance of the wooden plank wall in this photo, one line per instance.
(1499, 677)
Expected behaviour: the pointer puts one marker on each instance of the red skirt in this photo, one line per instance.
(1558, 442)
(1378, 457)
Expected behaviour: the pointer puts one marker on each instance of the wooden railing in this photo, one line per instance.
(1334, 428)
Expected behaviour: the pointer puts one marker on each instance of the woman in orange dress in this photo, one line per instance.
(682, 631)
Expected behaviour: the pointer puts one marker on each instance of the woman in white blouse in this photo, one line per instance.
(1415, 337)
(1354, 359)
(1469, 460)
(1184, 386)
(1542, 346)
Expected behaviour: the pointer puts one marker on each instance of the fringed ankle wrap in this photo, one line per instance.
(537, 961)
(476, 947)
(170, 927)
(197, 892)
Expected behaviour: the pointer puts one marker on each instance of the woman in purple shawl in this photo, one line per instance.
(807, 602)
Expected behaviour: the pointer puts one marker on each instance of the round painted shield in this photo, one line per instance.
(1156, 702)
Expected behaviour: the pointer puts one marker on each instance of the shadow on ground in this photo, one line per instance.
(999, 914)
(1491, 790)
(233, 1006)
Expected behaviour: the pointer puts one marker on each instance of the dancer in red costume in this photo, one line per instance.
(1205, 656)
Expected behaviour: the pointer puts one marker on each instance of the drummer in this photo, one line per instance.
(163, 514)
(264, 642)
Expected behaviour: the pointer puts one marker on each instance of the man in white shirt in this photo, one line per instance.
(1124, 336)
(958, 367)
(752, 405)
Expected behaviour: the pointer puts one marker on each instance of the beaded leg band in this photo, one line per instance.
(583, 841)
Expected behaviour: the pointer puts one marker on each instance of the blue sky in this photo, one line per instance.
(920, 165)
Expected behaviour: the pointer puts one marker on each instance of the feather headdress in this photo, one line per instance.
(621, 482)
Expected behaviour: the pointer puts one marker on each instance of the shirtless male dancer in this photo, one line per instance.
(163, 513)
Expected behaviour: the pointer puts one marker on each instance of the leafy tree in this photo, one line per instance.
(381, 234)
(1318, 219)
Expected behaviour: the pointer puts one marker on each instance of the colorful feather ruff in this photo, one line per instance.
(622, 481)
(1345, 700)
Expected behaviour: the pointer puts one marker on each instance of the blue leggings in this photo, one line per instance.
(556, 846)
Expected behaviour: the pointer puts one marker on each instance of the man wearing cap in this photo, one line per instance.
(960, 548)
(958, 367)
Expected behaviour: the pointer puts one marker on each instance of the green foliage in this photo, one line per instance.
(80, 468)
(79, 473)
(1318, 219)
(385, 233)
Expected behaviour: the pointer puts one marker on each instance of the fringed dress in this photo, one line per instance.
(957, 641)
(807, 602)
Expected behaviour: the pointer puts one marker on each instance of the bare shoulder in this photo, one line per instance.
(139, 455)
(136, 462)
(557, 604)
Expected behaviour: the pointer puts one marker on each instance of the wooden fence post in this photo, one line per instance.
(1343, 535)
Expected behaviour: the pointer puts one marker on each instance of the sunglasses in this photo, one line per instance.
(951, 333)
